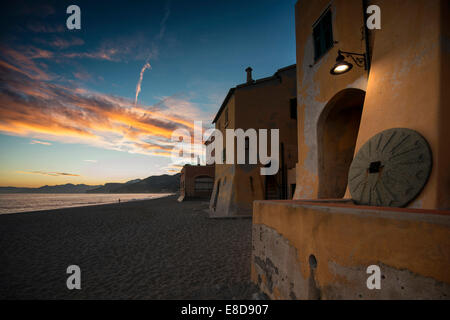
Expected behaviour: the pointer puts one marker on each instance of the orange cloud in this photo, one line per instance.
(33, 106)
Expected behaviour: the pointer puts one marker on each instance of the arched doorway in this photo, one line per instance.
(337, 131)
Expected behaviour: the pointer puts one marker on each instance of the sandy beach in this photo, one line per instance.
(154, 249)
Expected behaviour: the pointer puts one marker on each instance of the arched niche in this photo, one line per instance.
(337, 131)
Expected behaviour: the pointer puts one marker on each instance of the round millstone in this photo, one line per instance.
(391, 169)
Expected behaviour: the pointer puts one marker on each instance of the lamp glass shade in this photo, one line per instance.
(341, 67)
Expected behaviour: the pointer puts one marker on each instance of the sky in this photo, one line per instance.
(100, 104)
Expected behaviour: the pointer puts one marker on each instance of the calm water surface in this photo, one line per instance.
(24, 202)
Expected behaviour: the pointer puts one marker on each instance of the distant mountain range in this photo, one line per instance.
(154, 184)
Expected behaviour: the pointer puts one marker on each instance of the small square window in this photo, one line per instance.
(323, 35)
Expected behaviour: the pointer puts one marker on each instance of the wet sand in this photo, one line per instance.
(154, 249)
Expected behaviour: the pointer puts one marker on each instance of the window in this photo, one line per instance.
(323, 35)
(293, 108)
(224, 155)
(247, 150)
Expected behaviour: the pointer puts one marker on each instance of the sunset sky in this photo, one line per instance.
(68, 110)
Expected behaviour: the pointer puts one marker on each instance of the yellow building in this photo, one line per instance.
(322, 245)
(196, 182)
(268, 103)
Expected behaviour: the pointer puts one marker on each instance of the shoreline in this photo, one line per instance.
(149, 249)
(163, 195)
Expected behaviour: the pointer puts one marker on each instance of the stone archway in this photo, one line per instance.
(337, 131)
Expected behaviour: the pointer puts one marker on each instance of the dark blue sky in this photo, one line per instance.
(197, 51)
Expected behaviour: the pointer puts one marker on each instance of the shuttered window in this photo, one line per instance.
(323, 35)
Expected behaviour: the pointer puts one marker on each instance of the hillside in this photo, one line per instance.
(154, 184)
(65, 188)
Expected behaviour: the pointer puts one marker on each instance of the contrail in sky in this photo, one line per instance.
(138, 87)
(158, 37)
(162, 29)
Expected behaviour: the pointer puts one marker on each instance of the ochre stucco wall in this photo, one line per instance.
(405, 86)
(224, 173)
(412, 248)
(315, 86)
(409, 69)
(262, 105)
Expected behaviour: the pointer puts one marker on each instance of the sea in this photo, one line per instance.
(27, 202)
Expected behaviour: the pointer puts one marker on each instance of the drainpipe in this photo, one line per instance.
(366, 35)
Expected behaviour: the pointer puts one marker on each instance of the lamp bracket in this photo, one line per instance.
(360, 59)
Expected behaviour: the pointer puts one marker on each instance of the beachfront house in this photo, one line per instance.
(372, 178)
(268, 103)
(196, 182)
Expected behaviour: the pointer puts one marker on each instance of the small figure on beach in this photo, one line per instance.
(119, 200)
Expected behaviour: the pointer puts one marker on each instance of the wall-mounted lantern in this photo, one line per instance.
(343, 66)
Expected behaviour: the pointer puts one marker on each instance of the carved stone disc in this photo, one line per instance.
(390, 169)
